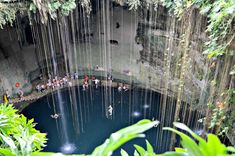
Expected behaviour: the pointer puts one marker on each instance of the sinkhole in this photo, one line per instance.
(87, 122)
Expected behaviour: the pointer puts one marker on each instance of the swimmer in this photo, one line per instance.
(110, 110)
(55, 116)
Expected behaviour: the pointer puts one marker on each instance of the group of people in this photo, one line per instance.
(123, 88)
(7, 96)
(56, 82)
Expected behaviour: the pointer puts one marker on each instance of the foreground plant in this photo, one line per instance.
(18, 137)
(192, 144)
(116, 139)
(190, 147)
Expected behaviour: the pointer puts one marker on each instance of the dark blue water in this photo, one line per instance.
(92, 127)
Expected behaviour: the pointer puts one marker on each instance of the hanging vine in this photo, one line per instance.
(45, 8)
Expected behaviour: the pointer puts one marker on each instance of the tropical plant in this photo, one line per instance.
(192, 144)
(18, 136)
(122, 136)
(116, 139)
(195, 146)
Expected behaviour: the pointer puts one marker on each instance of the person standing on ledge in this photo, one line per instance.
(21, 94)
(96, 81)
(8, 96)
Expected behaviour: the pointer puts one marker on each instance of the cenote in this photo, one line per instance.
(171, 61)
(93, 125)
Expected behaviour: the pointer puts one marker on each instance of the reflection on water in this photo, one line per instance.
(94, 127)
(68, 148)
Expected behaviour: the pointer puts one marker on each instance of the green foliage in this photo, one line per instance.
(7, 14)
(122, 136)
(9, 10)
(190, 147)
(116, 139)
(86, 4)
(17, 134)
(134, 4)
(220, 14)
(211, 147)
(52, 8)
(140, 151)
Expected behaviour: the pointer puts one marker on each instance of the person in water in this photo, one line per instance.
(110, 110)
(55, 116)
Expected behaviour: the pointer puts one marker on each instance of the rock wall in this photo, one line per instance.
(126, 42)
(16, 62)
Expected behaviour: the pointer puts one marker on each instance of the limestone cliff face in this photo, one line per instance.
(16, 62)
(163, 39)
(129, 43)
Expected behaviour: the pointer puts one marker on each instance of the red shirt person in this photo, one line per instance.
(86, 78)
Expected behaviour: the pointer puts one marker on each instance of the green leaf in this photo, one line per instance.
(140, 150)
(136, 153)
(149, 147)
(122, 136)
(124, 153)
(6, 152)
(187, 143)
(215, 147)
(231, 149)
(10, 143)
(202, 142)
(175, 154)
(180, 150)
